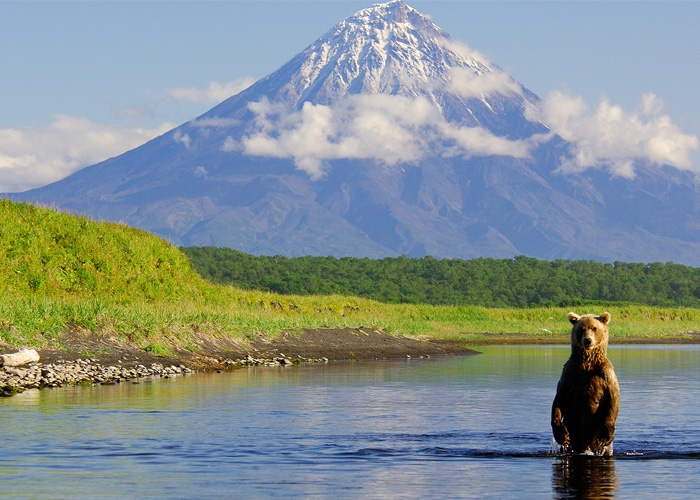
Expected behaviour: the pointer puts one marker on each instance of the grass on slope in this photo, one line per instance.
(48, 253)
(62, 275)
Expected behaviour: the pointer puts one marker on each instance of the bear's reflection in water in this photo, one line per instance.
(584, 476)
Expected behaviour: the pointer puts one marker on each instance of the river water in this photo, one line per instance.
(468, 427)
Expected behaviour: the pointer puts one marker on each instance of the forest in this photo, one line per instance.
(518, 282)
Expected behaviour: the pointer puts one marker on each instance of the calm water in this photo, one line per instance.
(474, 427)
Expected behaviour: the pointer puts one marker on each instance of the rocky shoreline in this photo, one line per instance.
(36, 375)
(89, 371)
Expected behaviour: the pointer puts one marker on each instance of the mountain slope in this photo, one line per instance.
(386, 137)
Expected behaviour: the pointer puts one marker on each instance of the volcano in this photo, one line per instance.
(387, 137)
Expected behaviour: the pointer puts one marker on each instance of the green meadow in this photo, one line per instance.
(64, 275)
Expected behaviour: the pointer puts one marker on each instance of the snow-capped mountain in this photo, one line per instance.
(388, 49)
(385, 137)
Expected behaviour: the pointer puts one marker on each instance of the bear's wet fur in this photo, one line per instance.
(585, 407)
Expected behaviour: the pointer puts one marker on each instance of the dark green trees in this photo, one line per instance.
(517, 282)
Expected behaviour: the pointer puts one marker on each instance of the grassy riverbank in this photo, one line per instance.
(63, 276)
(224, 313)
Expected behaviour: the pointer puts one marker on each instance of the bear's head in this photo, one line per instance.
(589, 333)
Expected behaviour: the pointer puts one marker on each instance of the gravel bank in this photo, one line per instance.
(118, 363)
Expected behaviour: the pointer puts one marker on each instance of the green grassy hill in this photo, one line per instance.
(48, 253)
(63, 275)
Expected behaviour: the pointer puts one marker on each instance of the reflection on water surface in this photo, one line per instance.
(584, 477)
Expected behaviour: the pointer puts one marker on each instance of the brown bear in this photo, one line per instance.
(587, 400)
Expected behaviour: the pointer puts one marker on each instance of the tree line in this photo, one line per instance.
(518, 282)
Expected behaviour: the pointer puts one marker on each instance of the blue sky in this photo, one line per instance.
(81, 81)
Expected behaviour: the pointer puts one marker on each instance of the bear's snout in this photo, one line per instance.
(588, 340)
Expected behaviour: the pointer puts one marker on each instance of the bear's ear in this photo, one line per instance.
(604, 318)
(573, 318)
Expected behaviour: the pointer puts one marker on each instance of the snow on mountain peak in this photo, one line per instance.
(395, 12)
(388, 48)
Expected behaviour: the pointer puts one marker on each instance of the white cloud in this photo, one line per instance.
(214, 93)
(385, 128)
(31, 157)
(477, 141)
(215, 122)
(230, 144)
(137, 112)
(472, 57)
(35, 156)
(201, 172)
(183, 139)
(610, 137)
(469, 83)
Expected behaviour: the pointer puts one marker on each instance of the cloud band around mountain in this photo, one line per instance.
(384, 128)
(397, 129)
(380, 127)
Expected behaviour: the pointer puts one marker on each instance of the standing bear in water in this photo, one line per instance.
(585, 407)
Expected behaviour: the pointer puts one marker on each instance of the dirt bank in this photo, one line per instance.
(332, 344)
